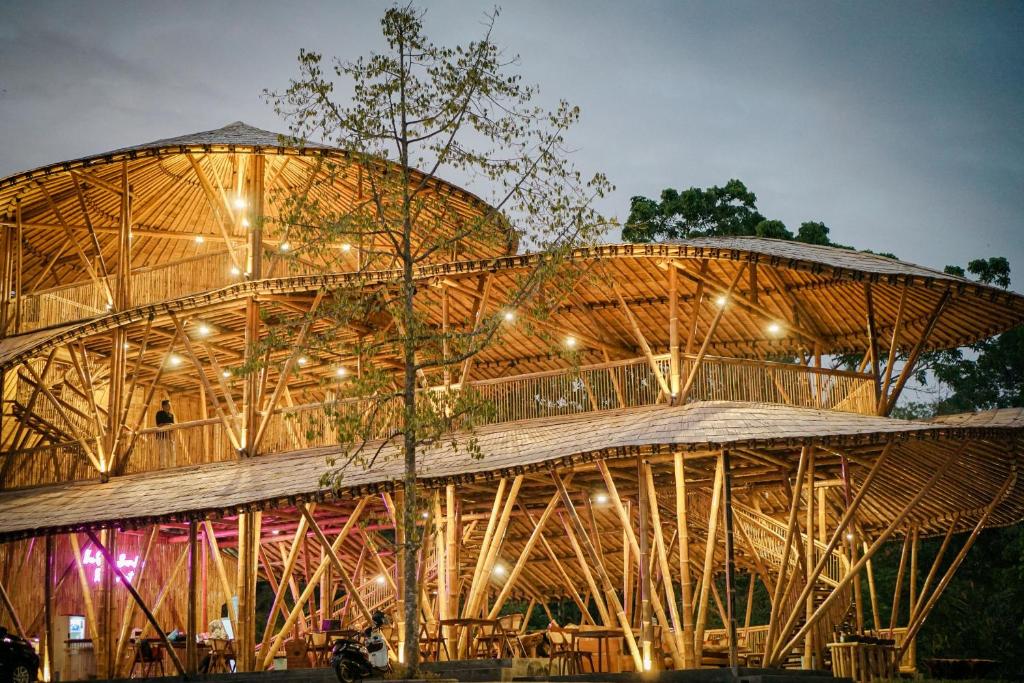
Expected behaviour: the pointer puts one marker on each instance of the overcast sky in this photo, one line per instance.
(899, 125)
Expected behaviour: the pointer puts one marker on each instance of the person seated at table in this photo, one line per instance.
(215, 631)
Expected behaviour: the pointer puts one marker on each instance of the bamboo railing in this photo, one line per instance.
(606, 386)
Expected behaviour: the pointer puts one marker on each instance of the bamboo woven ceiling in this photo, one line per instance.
(171, 206)
(816, 296)
(765, 441)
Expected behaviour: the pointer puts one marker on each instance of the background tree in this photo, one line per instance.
(430, 111)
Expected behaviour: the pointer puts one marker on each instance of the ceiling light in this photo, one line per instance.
(380, 579)
(203, 329)
(601, 498)
(235, 271)
(510, 316)
(175, 359)
(225, 373)
(276, 532)
(346, 247)
(341, 372)
(570, 342)
(245, 222)
(303, 360)
(200, 239)
(721, 300)
(499, 570)
(849, 535)
(774, 328)
(239, 202)
(285, 246)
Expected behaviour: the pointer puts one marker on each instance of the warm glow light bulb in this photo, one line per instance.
(721, 301)
(239, 202)
(235, 271)
(346, 247)
(303, 360)
(601, 498)
(570, 342)
(774, 328)
(225, 373)
(380, 579)
(341, 372)
(245, 222)
(285, 246)
(175, 360)
(200, 239)
(204, 329)
(510, 316)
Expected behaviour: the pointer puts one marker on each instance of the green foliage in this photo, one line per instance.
(696, 212)
(416, 112)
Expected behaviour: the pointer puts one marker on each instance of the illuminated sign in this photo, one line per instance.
(96, 560)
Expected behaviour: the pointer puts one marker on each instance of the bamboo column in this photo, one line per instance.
(48, 662)
(609, 588)
(808, 658)
(685, 587)
(709, 562)
(730, 560)
(192, 627)
(643, 571)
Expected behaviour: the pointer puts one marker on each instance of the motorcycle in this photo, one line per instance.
(353, 659)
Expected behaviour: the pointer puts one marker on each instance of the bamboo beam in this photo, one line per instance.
(666, 572)
(332, 555)
(692, 375)
(923, 612)
(642, 341)
(879, 541)
(888, 402)
(869, 305)
(897, 589)
(524, 556)
(129, 611)
(894, 340)
(218, 563)
(192, 619)
(673, 332)
(286, 574)
(786, 551)
(730, 560)
(641, 561)
(311, 585)
(709, 561)
(609, 588)
(685, 588)
(112, 565)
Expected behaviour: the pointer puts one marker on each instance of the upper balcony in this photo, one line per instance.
(630, 383)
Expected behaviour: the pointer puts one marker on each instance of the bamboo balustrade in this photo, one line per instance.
(589, 388)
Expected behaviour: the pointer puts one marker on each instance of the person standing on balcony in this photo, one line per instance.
(165, 436)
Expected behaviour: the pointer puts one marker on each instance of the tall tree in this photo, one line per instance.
(412, 113)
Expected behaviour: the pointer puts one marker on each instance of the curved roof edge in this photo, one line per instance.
(841, 266)
(235, 136)
(513, 448)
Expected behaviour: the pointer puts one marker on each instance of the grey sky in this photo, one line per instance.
(899, 125)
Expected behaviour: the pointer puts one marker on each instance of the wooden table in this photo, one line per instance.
(604, 637)
(476, 632)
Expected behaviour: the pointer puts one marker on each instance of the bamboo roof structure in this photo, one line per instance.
(177, 184)
(669, 395)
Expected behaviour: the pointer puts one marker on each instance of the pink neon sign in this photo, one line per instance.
(96, 560)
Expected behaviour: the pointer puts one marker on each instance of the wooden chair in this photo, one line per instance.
(512, 625)
(222, 656)
(432, 642)
(148, 657)
(566, 654)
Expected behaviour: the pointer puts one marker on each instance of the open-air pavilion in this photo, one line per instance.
(694, 438)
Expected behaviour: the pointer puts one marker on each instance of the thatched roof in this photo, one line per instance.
(530, 446)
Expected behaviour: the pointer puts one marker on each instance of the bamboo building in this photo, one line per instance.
(677, 454)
